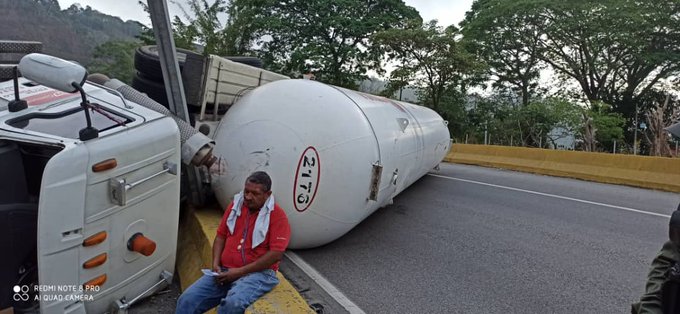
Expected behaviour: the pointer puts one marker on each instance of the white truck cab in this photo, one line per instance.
(87, 225)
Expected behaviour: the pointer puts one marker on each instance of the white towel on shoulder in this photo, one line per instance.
(262, 222)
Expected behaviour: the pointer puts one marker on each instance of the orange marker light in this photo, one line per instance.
(95, 239)
(95, 261)
(141, 244)
(105, 165)
(97, 281)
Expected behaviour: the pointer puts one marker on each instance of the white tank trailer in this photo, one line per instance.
(334, 155)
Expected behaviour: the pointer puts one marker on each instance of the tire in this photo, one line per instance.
(192, 79)
(155, 91)
(12, 46)
(148, 62)
(7, 72)
(251, 61)
(11, 57)
(151, 88)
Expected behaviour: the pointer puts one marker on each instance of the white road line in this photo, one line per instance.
(555, 196)
(324, 283)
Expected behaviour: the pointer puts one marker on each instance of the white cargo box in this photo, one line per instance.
(225, 81)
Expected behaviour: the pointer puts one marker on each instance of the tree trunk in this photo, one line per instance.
(657, 138)
(525, 92)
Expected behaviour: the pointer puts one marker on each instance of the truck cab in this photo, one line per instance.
(88, 225)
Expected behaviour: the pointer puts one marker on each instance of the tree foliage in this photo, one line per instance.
(242, 27)
(616, 50)
(203, 26)
(114, 59)
(433, 57)
(613, 53)
(543, 122)
(601, 127)
(659, 117)
(398, 80)
(199, 26)
(329, 38)
(507, 40)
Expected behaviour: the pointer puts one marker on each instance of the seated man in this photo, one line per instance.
(250, 241)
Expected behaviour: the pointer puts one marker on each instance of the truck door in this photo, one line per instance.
(108, 218)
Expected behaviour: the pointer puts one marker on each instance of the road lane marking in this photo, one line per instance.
(324, 283)
(555, 196)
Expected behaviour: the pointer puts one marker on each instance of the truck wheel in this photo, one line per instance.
(7, 72)
(12, 46)
(148, 62)
(151, 88)
(11, 57)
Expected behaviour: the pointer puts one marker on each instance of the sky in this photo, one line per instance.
(446, 11)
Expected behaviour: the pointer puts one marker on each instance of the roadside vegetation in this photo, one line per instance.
(583, 75)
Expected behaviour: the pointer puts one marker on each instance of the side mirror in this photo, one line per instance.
(61, 75)
(52, 72)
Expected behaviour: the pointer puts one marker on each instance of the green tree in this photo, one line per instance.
(434, 57)
(203, 27)
(243, 26)
(506, 39)
(146, 35)
(607, 127)
(541, 122)
(114, 59)
(333, 39)
(565, 118)
(398, 80)
(617, 50)
(486, 118)
(540, 118)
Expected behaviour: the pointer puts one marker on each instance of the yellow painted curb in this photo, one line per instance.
(640, 171)
(196, 233)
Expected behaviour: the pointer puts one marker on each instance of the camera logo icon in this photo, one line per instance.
(20, 293)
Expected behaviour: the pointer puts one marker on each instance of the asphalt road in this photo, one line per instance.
(449, 244)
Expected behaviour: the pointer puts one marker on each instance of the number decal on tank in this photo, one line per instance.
(306, 179)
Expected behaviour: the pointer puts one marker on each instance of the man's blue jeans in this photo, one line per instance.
(206, 293)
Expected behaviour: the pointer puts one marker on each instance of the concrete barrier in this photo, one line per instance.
(196, 233)
(640, 171)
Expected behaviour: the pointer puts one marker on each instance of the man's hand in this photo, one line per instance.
(218, 247)
(229, 276)
(217, 268)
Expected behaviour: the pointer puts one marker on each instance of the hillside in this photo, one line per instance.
(71, 33)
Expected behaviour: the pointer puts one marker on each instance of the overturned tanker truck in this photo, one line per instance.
(91, 173)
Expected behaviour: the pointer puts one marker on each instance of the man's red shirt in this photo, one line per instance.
(277, 237)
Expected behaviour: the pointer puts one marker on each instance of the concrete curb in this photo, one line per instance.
(196, 233)
(639, 171)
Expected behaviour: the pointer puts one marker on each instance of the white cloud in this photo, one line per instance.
(446, 12)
